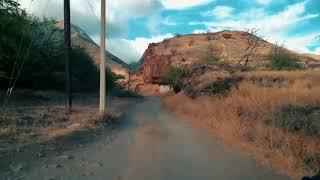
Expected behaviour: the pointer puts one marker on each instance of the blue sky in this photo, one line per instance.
(133, 24)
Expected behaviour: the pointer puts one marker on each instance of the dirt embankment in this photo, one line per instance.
(34, 117)
(272, 115)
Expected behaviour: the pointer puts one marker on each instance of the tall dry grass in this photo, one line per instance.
(246, 116)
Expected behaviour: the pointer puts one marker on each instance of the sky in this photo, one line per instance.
(133, 24)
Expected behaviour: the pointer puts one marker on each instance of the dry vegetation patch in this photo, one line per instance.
(31, 118)
(275, 114)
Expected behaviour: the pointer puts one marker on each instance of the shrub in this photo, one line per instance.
(127, 94)
(41, 54)
(222, 85)
(296, 118)
(174, 78)
(271, 81)
(281, 60)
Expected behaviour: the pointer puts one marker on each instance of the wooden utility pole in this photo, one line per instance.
(129, 76)
(67, 52)
(103, 58)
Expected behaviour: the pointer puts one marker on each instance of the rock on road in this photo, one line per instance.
(152, 145)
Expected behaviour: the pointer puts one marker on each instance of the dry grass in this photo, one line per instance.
(29, 118)
(245, 116)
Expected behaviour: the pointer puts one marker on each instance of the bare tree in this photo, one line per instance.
(252, 44)
(278, 48)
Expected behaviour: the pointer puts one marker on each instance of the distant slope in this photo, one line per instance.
(82, 40)
(314, 56)
(185, 50)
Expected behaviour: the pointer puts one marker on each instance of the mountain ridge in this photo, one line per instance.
(234, 48)
(80, 38)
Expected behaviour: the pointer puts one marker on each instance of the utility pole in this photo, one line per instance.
(103, 58)
(67, 52)
(129, 76)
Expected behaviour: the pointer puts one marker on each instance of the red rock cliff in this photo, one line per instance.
(154, 65)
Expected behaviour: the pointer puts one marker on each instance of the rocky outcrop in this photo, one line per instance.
(228, 48)
(154, 65)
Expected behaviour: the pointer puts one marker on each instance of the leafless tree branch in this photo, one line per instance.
(252, 44)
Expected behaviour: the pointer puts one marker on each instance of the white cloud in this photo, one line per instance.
(134, 49)
(183, 4)
(274, 26)
(220, 12)
(118, 14)
(296, 43)
(317, 51)
(136, 7)
(264, 2)
(267, 23)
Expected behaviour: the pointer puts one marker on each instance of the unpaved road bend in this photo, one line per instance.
(152, 145)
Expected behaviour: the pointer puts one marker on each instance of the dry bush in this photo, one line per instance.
(190, 43)
(247, 115)
(28, 119)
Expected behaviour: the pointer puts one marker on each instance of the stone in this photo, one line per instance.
(40, 155)
(65, 157)
(16, 168)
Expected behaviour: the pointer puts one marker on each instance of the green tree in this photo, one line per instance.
(33, 48)
(280, 59)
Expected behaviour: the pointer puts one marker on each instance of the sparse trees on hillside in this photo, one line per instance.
(32, 54)
(252, 44)
(280, 59)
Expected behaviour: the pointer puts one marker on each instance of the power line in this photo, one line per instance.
(97, 18)
(11, 88)
(15, 62)
(92, 9)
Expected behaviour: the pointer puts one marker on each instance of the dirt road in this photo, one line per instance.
(150, 145)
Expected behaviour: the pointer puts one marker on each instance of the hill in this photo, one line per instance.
(231, 48)
(81, 39)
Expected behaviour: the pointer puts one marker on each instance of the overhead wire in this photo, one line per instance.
(16, 59)
(11, 88)
(98, 20)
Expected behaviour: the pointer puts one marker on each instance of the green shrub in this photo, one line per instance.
(41, 54)
(174, 78)
(281, 60)
(127, 94)
(222, 85)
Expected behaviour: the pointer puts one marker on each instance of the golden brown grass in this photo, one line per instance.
(242, 116)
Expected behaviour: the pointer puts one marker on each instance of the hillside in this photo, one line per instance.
(232, 48)
(81, 39)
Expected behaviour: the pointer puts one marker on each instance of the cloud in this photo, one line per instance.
(296, 43)
(317, 51)
(267, 23)
(184, 4)
(118, 14)
(134, 49)
(220, 12)
(136, 8)
(274, 26)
